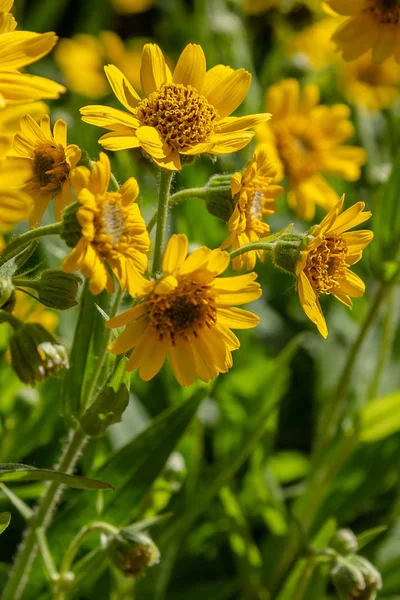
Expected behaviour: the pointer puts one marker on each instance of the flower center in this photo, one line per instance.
(384, 11)
(190, 307)
(181, 115)
(256, 206)
(115, 225)
(326, 264)
(50, 168)
(298, 149)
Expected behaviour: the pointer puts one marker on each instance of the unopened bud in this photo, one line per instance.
(219, 200)
(71, 229)
(344, 542)
(286, 251)
(7, 295)
(55, 288)
(355, 578)
(132, 553)
(35, 354)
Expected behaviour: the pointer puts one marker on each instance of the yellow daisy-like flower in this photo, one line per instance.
(10, 118)
(15, 207)
(313, 45)
(186, 113)
(373, 24)
(305, 139)
(132, 6)
(374, 86)
(113, 231)
(188, 315)
(19, 49)
(43, 165)
(82, 60)
(324, 264)
(255, 191)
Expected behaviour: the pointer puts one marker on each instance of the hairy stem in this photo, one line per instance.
(33, 234)
(178, 198)
(161, 221)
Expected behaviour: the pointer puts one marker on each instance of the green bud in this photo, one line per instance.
(344, 542)
(7, 295)
(55, 288)
(71, 229)
(35, 354)
(355, 578)
(218, 197)
(85, 161)
(132, 553)
(286, 251)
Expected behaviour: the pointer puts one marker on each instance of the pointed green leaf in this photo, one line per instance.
(109, 404)
(5, 518)
(380, 418)
(11, 265)
(369, 535)
(19, 472)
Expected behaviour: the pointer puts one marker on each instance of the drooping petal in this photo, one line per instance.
(311, 305)
(182, 362)
(152, 142)
(127, 316)
(237, 318)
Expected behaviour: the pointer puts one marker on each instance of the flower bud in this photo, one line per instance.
(35, 354)
(355, 578)
(344, 542)
(218, 197)
(132, 553)
(55, 288)
(71, 229)
(286, 251)
(7, 294)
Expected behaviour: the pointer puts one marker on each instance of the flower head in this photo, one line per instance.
(82, 59)
(184, 113)
(43, 165)
(19, 49)
(305, 139)
(112, 231)
(372, 24)
(323, 267)
(255, 191)
(187, 314)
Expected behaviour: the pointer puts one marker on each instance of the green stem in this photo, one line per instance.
(102, 353)
(7, 317)
(178, 198)
(48, 562)
(386, 345)
(43, 515)
(162, 212)
(114, 181)
(33, 234)
(265, 246)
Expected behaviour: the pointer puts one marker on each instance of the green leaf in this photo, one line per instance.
(380, 418)
(5, 518)
(109, 404)
(369, 535)
(19, 472)
(11, 265)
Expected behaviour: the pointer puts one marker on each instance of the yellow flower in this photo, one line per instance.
(132, 6)
(187, 314)
(113, 231)
(184, 114)
(373, 24)
(15, 207)
(374, 86)
(82, 60)
(255, 191)
(43, 165)
(10, 117)
(19, 49)
(324, 264)
(315, 45)
(305, 140)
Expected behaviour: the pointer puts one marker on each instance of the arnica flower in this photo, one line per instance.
(112, 231)
(255, 192)
(19, 49)
(372, 24)
(188, 315)
(43, 165)
(82, 59)
(10, 118)
(305, 139)
(323, 267)
(186, 113)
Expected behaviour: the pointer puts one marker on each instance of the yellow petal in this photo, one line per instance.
(109, 118)
(191, 67)
(115, 141)
(166, 285)
(231, 142)
(172, 162)
(182, 362)
(100, 175)
(60, 132)
(352, 285)
(237, 318)
(228, 336)
(311, 305)
(129, 191)
(151, 141)
(350, 218)
(130, 337)
(73, 261)
(154, 71)
(122, 88)
(230, 124)
(237, 290)
(21, 48)
(229, 92)
(155, 359)
(127, 316)
(175, 253)
(17, 88)
(236, 183)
